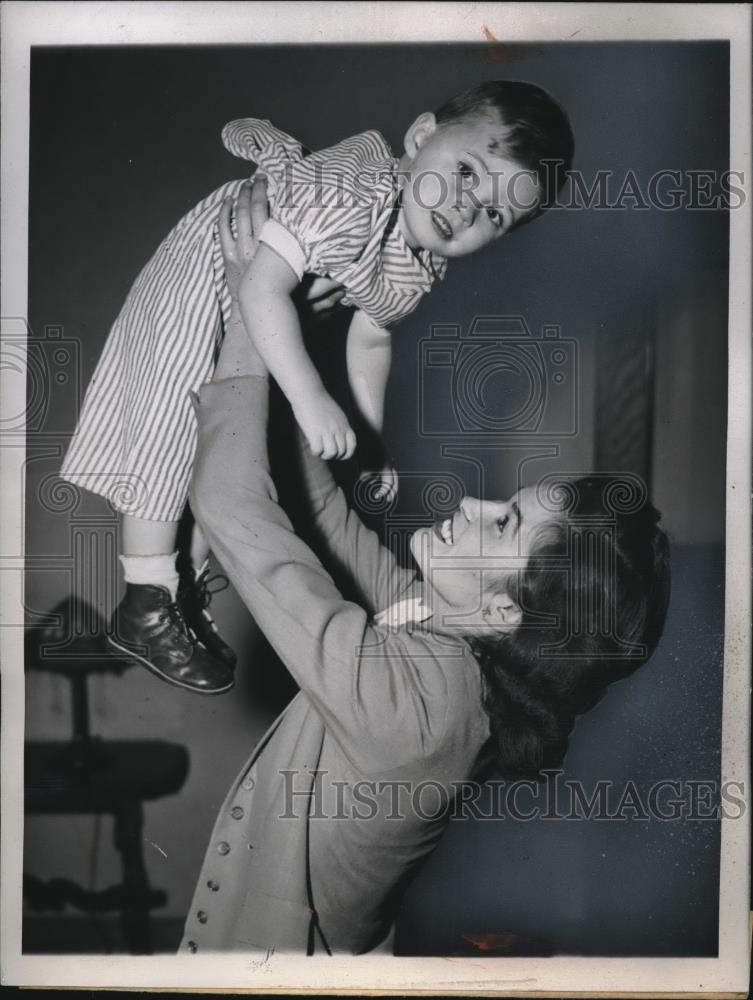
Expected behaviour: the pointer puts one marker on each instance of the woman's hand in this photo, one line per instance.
(251, 212)
(238, 355)
(319, 295)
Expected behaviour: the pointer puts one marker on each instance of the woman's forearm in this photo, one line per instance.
(239, 355)
(365, 692)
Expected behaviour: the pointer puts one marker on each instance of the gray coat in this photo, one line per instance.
(348, 791)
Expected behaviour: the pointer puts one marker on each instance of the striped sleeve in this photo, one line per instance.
(330, 202)
(331, 237)
(320, 203)
(259, 141)
(333, 214)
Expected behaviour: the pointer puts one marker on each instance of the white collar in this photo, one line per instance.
(410, 610)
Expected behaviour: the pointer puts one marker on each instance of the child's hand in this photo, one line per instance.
(326, 427)
(381, 484)
(378, 474)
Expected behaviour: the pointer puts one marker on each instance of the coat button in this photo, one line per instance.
(249, 783)
(214, 886)
(192, 947)
(223, 847)
(237, 812)
(202, 917)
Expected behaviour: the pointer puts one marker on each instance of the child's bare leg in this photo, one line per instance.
(159, 538)
(147, 538)
(149, 552)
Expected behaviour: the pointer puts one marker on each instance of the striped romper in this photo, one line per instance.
(333, 213)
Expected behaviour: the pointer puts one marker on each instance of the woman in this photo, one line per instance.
(521, 614)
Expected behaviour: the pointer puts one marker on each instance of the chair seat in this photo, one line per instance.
(112, 772)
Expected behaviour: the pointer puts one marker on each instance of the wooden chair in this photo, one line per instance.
(89, 775)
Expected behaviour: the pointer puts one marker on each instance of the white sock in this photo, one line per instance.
(159, 571)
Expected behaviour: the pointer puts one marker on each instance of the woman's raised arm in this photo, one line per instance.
(379, 577)
(376, 705)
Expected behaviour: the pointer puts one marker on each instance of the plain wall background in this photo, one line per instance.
(125, 140)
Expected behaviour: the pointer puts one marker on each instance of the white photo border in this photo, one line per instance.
(25, 24)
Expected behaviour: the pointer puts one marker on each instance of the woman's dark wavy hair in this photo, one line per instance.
(537, 130)
(594, 597)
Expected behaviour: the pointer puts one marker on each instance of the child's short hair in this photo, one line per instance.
(538, 133)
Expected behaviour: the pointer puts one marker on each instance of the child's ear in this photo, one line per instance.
(503, 612)
(424, 126)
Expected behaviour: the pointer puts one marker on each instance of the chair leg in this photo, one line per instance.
(134, 915)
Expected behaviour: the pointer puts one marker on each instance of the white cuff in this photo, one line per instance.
(282, 241)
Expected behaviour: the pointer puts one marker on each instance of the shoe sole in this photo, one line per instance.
(143, 662)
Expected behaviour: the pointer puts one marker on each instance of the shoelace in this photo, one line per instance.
(201, 586)
(174, 614)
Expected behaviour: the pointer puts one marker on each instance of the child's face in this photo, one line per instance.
(461, 190)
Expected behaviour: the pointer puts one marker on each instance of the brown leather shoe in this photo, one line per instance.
(194, 597)
(149, 626)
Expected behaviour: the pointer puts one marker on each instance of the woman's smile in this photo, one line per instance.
(443, 529)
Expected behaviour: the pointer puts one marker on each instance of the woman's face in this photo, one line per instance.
(463, 558)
